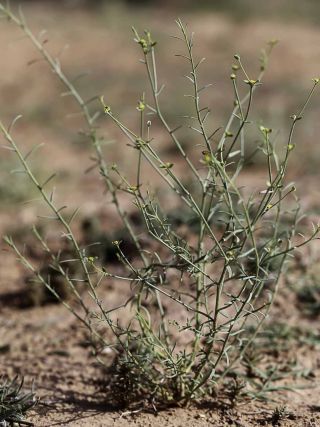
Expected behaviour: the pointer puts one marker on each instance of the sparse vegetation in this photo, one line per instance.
(279, 414)
(201, 280)
(15, 403)
(215, 306)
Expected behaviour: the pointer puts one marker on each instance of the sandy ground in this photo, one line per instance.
(45, 343)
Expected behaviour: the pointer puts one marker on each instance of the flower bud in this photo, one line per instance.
(141, 106)
(265, 130)
(251, 82)
(167, 165)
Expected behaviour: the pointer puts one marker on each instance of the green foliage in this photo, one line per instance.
(272, 359)
(14, 403)
(14, 187)
(195, 299)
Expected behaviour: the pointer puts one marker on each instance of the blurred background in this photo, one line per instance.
(94, 42)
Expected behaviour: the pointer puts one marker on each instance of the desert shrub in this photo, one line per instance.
(198, 294)
(14, 403)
